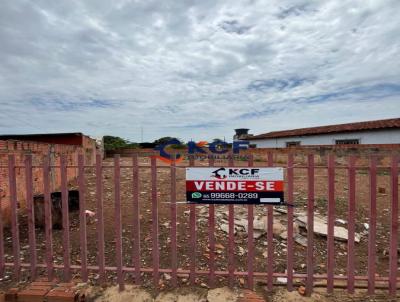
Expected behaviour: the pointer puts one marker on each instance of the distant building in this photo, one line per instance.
(379, 132)
(241, 134)
(74, 138)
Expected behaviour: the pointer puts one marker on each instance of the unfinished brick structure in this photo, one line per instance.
(39, 146)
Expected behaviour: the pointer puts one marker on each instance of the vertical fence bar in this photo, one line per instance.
(310, 226)
(211, 236)
(192, 226)
(100, 219)
(31, 214)
(14, 216)
(270, 234)
(290, 243)
(136, 218)
(372, 228)
(331, 222)
(2, 262)
(65, 219)
(174, 258)
(48, 205)
(82, 217)
(231, 237)
(351, 224)
(155, 252)
(250, 238)
(394, 225)
(118, 223)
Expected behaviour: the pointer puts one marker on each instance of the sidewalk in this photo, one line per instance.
(45, 291)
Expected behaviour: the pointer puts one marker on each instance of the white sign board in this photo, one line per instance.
(234, 185)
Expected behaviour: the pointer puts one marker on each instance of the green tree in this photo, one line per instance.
(163, 140)
(115, 142)
(166, 139)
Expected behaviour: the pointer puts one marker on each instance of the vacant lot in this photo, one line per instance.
(202, 252)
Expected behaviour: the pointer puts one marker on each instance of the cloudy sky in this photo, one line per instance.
(196, 69)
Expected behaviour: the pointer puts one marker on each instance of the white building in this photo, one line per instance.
(365, 133)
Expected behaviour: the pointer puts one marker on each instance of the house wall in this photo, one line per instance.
(379, 137)
(38, 150)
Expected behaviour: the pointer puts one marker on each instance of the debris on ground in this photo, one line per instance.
(260, 224)
(301, 290)
(223, 294)
(113, 294)
(297, 296)
(90, 217)
(321, 228)
(179, 297)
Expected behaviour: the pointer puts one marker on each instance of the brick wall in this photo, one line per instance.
(127, 152)
(38, 150)
(361, 152)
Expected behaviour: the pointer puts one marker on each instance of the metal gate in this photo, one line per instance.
(247, 272)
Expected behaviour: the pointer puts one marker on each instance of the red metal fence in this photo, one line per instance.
(391, 280)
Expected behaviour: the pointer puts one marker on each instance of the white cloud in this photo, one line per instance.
(196, 69)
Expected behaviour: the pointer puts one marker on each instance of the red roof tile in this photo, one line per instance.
(361, 126)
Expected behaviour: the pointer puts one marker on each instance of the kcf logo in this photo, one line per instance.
(193, 148)
(223, 173)
(219, 173)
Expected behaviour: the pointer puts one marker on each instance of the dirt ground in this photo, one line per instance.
(202, 252)
(223, 294)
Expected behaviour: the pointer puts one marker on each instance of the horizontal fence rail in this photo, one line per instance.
(192, 269)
